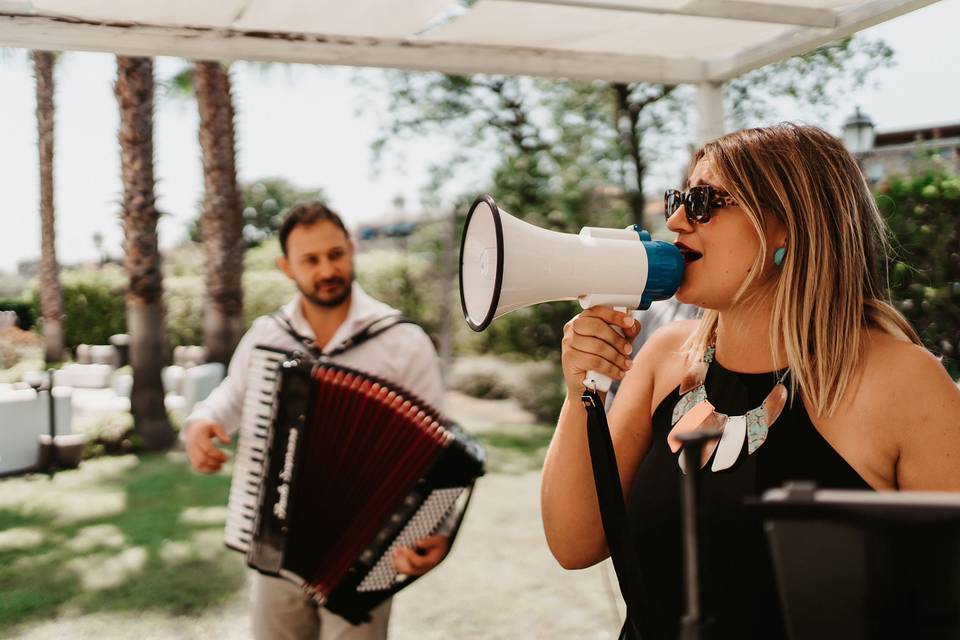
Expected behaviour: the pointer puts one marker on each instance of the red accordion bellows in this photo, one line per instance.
(367, 448)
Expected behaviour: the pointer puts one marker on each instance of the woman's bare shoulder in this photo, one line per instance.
(664, 356)
(669, 338)
(908, 394)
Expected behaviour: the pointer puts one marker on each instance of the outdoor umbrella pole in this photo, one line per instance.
(695, 624)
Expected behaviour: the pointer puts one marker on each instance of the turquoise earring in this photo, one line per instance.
(779, 255)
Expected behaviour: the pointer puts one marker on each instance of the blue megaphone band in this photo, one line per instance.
(664, 269)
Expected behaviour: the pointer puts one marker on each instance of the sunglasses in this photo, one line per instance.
(698, 203)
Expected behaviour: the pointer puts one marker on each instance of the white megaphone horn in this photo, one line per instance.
(507, 264)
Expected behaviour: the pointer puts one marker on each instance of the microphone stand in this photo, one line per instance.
(695, 624)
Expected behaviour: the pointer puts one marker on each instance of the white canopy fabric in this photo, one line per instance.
(664, 41)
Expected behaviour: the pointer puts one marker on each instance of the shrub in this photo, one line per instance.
(533, 331)
(93, 304)
(263, 293)
(183, 304)
(26, 312)
(482, 377)
(108, 434)
(922, 214)
(540, 389)
(405, 281)
(17, 346)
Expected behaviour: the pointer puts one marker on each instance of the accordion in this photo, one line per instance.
(335, 469)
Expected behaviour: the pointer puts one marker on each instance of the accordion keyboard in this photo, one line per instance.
(256, 415)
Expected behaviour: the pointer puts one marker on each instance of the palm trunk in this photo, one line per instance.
(51, 298)
(145, 321)
(221, 225)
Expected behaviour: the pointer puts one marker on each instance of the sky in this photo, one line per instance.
(314, 126)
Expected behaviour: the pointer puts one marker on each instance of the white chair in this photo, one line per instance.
(83, 376)
(24, 419)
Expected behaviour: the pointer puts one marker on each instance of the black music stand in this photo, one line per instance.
(860, 564)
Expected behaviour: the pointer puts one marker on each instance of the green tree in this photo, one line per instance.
(265, 203)
(922, 213)
(134, 91)
(579, 135)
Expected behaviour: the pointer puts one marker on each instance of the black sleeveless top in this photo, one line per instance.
(740, 591)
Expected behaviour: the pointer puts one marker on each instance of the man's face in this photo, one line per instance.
(320, 261)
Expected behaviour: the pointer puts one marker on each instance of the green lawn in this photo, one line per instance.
(118, 534)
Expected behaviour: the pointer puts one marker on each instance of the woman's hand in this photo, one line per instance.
(591, 344)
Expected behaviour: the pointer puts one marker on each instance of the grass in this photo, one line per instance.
(118, 534)
(515, 449)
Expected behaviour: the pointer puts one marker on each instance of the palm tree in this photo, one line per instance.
(51, 298)
(221, 224)
(145, 316)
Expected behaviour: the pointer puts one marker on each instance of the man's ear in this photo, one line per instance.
(284, 266)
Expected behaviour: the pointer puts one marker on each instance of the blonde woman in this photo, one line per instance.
(815, 375)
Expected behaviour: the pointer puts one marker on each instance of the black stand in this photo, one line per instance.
(695, 624)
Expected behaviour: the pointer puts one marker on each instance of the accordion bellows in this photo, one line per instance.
(336, 468)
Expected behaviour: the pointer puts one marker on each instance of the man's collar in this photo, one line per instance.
(363, 310)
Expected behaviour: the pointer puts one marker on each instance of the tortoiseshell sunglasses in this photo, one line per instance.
(698, 202)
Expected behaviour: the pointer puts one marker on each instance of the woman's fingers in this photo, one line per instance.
(585, 361)
(601, 349)
(591, 326)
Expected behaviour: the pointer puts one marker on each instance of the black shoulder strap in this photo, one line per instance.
(613, 515)
(373, 329)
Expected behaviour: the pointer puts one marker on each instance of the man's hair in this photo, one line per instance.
(308, 214)
(830, 287)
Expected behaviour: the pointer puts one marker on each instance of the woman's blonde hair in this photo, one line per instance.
(828, 289)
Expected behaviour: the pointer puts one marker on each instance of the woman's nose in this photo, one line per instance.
(678, 222)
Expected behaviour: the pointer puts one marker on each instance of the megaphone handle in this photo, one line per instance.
(598, 381)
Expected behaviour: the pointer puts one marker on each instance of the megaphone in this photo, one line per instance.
(507, 264)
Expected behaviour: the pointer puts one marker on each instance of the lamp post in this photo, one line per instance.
(858, 133)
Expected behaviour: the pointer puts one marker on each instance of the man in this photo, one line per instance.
(326, 316)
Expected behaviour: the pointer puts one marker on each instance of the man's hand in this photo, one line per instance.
(427, 554)
(202, 453)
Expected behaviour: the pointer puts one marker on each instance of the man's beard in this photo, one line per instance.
(328, 303)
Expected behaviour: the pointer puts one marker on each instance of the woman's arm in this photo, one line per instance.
(571, 515)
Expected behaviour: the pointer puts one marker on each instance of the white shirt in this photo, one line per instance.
(403, 355)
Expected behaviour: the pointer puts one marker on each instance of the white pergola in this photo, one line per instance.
(700, 42)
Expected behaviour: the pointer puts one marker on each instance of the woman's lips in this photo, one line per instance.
(689, 255)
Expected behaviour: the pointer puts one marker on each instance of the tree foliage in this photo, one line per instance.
(265, 203)
(922, 214)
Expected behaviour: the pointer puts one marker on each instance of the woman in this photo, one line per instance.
(783, 243)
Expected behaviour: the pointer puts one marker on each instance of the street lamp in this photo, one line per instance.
(858, 133)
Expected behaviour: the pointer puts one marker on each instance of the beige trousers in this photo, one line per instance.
(282, 611)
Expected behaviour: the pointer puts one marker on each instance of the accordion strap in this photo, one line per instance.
(372, 330)
(641, 617)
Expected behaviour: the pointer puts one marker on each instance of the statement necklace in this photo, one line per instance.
(694, 412)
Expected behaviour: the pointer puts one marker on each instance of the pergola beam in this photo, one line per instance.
(55, 33)
(727, 9)
(806, 39)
